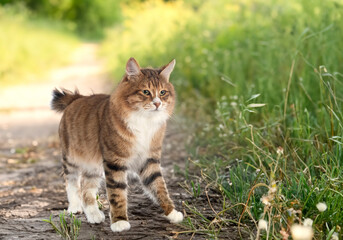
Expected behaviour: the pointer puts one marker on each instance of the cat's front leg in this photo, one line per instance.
(116, 186)
(153, 181)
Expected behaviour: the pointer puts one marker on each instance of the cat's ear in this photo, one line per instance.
(132, 67)
(167, 69)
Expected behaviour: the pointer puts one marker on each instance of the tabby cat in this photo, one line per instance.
(113, 134)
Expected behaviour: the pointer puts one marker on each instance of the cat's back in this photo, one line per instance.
(87, 105)
(80, 124)
(85, 112)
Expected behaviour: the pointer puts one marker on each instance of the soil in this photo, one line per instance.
(31, 186)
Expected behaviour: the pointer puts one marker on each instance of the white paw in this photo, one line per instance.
(75, 208)
(175, 216)
(120, 226)
(94, 215)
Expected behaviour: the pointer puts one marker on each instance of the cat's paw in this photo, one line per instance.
(119, 226)
(75, 208)
(175, 216)
(94, 215)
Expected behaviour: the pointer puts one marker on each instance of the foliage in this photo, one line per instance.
(272, 71)
(69, 227)
(145, 25)
(28, 49)
(87, 17)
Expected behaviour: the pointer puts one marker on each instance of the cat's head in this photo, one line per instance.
(148, 90)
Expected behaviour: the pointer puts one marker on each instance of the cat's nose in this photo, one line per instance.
(157, 104)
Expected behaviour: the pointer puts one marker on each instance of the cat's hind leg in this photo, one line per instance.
(72, 179)
(90, 182)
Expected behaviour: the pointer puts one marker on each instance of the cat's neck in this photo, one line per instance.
(146, 121)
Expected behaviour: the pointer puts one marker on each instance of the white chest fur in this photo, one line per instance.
(144, 126)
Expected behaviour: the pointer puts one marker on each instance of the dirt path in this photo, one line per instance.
(30, 184)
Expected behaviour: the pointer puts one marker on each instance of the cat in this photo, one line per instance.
(113, 134)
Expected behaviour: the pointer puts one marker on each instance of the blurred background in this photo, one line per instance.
(259, 86)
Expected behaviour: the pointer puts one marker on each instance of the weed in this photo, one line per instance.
(68, 228)
(100, 205)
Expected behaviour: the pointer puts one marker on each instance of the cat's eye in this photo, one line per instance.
(146, 92)
(163, 92)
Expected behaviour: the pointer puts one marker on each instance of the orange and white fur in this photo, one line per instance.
(112, 135)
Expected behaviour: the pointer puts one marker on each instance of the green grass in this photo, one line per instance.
(68, 227)
(261, 81)
(30, 49)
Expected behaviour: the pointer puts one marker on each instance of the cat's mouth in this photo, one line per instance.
(156, 110)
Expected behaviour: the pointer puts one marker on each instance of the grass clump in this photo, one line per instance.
(68, 227)
(29, 50)
(276, 169)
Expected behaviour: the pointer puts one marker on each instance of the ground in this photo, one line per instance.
(31, 186)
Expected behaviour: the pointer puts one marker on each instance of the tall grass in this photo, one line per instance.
(262, 80)
(28, 49)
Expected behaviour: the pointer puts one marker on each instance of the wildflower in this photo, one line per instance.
(279, 151)
(308, 222)
(272, 189)
(284, 234)
(291, 212)
(262, 224)
(265, 200)
(334, 236)
(300, 232)
(321, 207)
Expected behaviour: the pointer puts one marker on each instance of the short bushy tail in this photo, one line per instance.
(62, 98)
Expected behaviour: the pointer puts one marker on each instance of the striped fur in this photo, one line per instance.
(112, 134)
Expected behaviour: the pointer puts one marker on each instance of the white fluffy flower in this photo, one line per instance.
(265, 200)
(334, 236)
(279, 151)
(308, 222)
(300, 232)
(321, 207)
(262, 224)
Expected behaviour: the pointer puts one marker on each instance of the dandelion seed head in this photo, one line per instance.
(334, 236)
(308, 222)
(262, 224)
(300, 232)
(321, 207)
